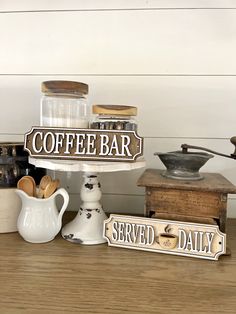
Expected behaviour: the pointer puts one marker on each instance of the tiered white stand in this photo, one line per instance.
(87, 226)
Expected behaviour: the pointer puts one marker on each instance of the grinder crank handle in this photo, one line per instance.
(232, 140)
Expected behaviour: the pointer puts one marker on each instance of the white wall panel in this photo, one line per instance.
(174, 60)
(201, 107)
(130, 204)
(29, 5)
(162, 42)
(114, 203)
(11, 138)
(231, 208)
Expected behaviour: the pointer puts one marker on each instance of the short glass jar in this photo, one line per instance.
(114, 117)
(64, 104)
(14, 165)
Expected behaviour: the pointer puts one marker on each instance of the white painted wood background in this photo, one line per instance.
(173, 59)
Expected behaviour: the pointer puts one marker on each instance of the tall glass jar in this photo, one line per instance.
(64, 104)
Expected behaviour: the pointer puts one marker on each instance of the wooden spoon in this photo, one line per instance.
(25, 184)
(44, 182)
(40, 193)
(33, 182)
(51, 188)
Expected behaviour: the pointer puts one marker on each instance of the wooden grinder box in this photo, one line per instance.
(203, 201)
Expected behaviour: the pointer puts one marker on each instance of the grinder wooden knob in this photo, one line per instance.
(233, 141)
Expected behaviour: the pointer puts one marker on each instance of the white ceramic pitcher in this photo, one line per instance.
(39, 220)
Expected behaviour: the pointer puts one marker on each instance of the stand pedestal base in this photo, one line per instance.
(86, 228)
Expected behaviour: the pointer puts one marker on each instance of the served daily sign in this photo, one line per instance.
(165, 236)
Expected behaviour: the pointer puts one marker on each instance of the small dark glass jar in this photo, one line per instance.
(14, 165)
(114, 117)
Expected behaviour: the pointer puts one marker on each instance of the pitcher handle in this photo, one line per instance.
(65, 196)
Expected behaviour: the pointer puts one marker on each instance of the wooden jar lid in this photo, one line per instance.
(64, 87)
(121, 110)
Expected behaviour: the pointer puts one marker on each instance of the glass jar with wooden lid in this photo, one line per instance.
(64, 104)
(114, 117)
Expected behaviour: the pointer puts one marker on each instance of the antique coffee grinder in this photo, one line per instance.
(182, 193)
(185, 165)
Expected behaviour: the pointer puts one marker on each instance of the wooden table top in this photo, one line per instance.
(211, 182)
(63, 277)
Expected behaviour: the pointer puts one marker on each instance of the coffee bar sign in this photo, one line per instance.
(165, 236)
(85, 144)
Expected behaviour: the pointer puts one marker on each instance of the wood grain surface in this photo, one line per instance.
(61, 277)
(192, 203)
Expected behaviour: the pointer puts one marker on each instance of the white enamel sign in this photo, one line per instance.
(165, 236)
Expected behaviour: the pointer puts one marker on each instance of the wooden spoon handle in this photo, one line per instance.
(51, 188)
(40, 193)
(44, 182)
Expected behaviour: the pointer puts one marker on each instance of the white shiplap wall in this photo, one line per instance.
(175, 60)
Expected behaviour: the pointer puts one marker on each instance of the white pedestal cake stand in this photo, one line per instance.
(87, 226)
